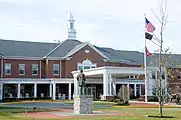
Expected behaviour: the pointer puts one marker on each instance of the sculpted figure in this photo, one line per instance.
(81, 81)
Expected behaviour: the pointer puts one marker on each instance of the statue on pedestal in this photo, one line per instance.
(82, 101)
(81, 82)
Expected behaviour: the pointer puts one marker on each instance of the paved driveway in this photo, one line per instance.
(52, 105)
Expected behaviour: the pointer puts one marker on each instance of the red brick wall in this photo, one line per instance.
(49, 73)
(46, 71)
(63, 68)
(15, 68)
(174, 82)
(79, 57)
(43, 69)
(174, 75)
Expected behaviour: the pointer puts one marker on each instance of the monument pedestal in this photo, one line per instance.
(83, 104)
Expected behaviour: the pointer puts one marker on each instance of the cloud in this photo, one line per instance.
(20, 2)
(109, 23)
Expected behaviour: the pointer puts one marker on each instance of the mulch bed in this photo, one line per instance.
(143, 104)
(161, 117)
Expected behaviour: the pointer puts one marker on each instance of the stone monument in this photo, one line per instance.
(82, 101)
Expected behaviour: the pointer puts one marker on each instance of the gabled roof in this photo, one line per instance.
(25, 48)
(50, 52)
(80, 46)
(64, 48)
(19, 49)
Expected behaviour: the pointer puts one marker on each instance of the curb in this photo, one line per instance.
(24, 102)
(146, 106)
(37, 101)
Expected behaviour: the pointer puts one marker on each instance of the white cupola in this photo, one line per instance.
(71, 28)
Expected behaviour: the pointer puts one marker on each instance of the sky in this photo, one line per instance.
(117, 24)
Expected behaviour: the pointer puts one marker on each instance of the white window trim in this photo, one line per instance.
(5, 68)
(36, 69)
(56, 69)
(84, 65)
(23, 67)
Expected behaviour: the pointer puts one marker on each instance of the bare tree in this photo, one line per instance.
(162, 18)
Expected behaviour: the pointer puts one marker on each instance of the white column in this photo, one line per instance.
(70, 88)
(135, 90)
(156, 79)
(35, 90)
(105, 83)
(140, 89)
(54, 91)
(166, 86)
(50, 90)
(110, 85)
(114, 86)
(1, 91)
(128, 91)
(19, 89)
(75, 85)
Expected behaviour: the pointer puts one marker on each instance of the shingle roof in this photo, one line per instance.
(24, 48)
(65, 48)
(75, 49)
(133, 57)
(174, 60)
(40, 49)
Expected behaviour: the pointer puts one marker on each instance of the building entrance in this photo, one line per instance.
(91, 90)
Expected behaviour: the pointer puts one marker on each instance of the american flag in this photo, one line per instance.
(149, 26)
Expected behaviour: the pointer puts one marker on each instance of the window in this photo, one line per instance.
(7, 70)
(86, 67)
(34, 69)
(86, 64)
(80, 67)
(21, 69)
(56, 69)
(71, 25)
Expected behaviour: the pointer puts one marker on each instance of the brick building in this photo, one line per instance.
(37, 69)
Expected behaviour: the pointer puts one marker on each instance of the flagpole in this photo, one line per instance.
(146, 86)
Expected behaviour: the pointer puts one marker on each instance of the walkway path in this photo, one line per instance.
(70, 114)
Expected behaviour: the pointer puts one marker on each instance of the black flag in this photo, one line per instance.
(148, 36)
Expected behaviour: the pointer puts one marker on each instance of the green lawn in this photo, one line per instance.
(15, 113)
(138, 114)
(7, 113)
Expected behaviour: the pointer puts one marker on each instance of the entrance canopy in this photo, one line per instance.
(111, 70)
(107, 73)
